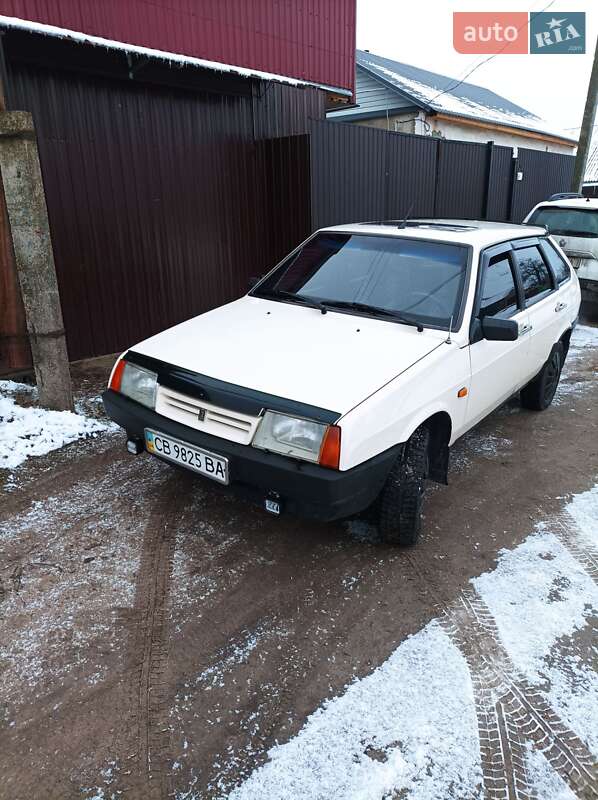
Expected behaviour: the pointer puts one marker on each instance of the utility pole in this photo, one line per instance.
(587, 126)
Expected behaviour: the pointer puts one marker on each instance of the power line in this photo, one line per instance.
(486, 60)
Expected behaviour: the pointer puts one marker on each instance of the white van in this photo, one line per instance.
(343, 377)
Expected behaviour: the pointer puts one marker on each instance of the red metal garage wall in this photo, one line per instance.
(309, 39)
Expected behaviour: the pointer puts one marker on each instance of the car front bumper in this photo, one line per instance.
(305, 489)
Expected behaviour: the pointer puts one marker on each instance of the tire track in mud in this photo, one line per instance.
(512, 714)
(144, 749)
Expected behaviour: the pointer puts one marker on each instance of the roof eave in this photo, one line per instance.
(97, 41)
(493, 123)
(390, 85)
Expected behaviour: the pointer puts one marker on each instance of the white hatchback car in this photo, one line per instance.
(343, 377)
(574, 223)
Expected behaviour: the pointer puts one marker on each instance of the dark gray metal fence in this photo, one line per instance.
(360, 173)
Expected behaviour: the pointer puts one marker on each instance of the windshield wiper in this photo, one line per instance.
(302, 299)
(378, 311)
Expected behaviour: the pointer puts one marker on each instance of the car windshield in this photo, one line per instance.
(414, 279)
(567, 221)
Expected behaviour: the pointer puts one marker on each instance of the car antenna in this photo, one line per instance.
(448, 339)
(403, 222)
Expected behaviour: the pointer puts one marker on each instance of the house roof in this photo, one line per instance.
(441, 94)
(591, 175)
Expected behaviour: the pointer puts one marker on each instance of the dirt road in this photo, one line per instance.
(158, 636)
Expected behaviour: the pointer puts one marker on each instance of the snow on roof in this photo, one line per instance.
(591, 175)
(149, 52)
(447, 95)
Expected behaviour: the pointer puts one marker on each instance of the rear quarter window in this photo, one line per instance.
(562, 271)
(535, 276)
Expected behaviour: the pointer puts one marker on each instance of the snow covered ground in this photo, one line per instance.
(27, 431)
(503, 678)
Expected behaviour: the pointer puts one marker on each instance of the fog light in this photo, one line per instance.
(135, 446)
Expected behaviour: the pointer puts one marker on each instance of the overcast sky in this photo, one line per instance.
(420, 32)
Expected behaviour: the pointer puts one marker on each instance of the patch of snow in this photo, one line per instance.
(548, 783)
(410, 727)
(13, 387)
(77, 569)
(583, 508)
(537, 594)
(379, 737)
(26, 432)
(149, 52)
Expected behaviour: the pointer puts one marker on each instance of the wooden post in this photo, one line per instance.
(32, 245)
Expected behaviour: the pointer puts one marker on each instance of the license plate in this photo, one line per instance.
(202, 461)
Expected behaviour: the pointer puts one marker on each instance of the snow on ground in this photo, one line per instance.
(63, 593)
(380, 737)
(29, 431)
(584, 338)
(409, 729)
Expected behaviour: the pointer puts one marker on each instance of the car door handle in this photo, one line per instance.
(525, 329)
(560, 306)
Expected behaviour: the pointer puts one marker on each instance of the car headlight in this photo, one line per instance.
(135, 382)
(291, 436)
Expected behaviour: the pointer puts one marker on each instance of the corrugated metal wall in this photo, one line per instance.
(309, 39)
(543, 174)
(360, 174)
(461, 179)
(156, 196)
(500, 182)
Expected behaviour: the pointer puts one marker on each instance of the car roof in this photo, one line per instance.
(572, 202)
(479, 233)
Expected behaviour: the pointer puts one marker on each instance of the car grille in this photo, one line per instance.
(205, 417)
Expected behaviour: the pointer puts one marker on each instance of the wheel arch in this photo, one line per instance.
(441, 426)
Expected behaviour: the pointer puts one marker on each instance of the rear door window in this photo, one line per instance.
(557, 263)
(499, 293)
(535, 277)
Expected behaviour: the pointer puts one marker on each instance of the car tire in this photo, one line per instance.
(539, 393)
(400, 502)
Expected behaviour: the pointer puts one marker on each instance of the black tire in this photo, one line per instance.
(539, 393)
(400, 502)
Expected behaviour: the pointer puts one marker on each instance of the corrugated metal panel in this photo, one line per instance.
(347, 173)
(461, 179)
(155, 197)
(411, 175)
(15, 352)
(372, 97)
(309, 39)
(543, 175)
(500, 180)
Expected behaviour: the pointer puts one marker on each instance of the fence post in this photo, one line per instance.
(514, 165)
(30, 232)
(436, 173)
(489, 157)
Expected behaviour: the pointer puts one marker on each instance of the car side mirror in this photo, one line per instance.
(500, 330)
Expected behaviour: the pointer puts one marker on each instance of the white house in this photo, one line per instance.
(400, 97)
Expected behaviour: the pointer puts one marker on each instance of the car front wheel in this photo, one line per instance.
(400, 502)
(539, 393)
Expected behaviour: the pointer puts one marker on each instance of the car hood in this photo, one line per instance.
(333, 360)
